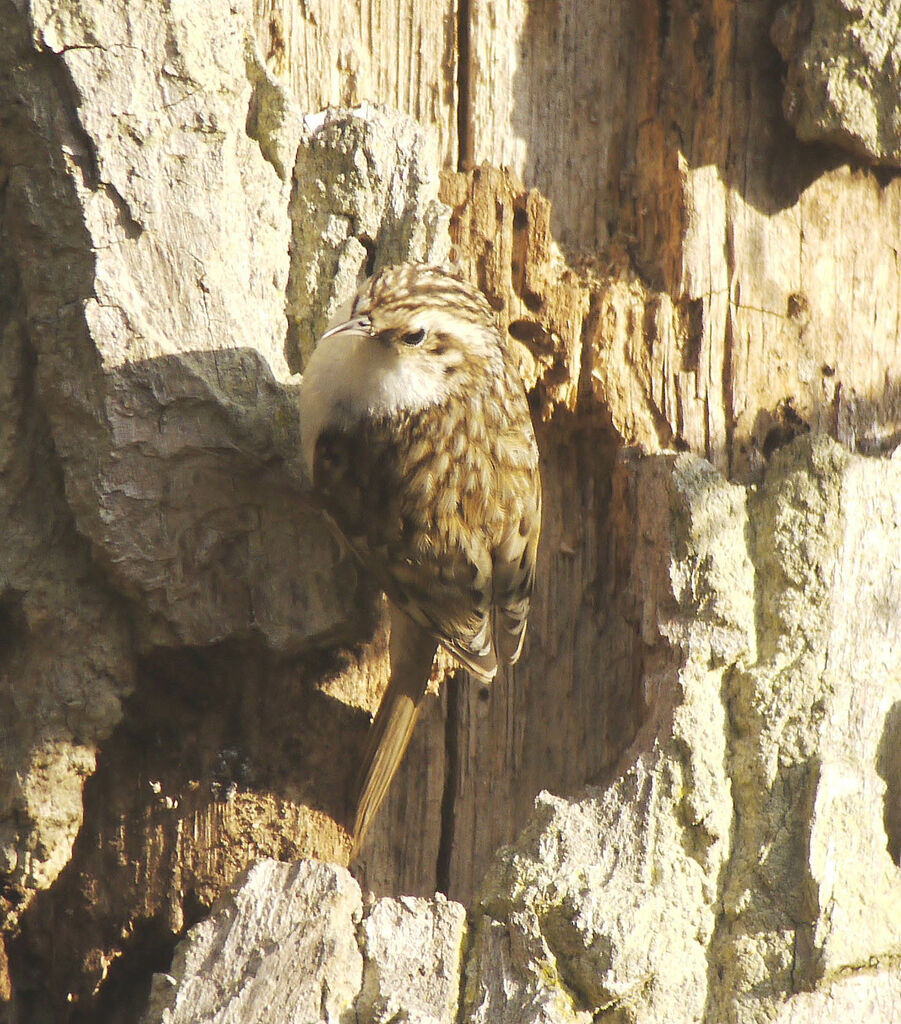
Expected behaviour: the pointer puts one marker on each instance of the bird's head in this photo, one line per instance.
(413, 336)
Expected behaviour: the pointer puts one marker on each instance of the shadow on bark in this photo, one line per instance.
(224, 755)
(888, 765)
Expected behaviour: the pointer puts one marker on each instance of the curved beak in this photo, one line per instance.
(359, 327)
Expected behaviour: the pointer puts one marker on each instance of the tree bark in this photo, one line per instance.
(687, 219)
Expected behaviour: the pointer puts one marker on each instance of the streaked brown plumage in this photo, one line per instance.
(418, 439)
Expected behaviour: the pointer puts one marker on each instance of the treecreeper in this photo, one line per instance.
(417, 437)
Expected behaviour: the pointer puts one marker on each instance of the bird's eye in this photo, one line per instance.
(413, 338)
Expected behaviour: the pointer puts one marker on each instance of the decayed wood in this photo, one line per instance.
(676, 270)
(397, 52)
(672, 272)
(552, 85)
(774, 266)
(790, 255)
(770, 310)
(216, 765)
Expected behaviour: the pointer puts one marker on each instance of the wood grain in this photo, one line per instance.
(396, 52)
(676, 270)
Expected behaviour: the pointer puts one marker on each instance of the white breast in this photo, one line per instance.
(351, 378)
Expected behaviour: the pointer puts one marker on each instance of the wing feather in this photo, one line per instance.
(465, 577)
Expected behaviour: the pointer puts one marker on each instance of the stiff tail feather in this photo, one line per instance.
(412, 652)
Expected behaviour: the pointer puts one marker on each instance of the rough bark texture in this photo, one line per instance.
(397, 959)
(844, 74)
(765, 308)
(741, 864)
(187, 660)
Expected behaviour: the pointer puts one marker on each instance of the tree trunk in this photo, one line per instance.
(687, 219)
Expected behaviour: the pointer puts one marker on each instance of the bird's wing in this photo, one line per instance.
(514, 575)
(448, 591)
(469, 582)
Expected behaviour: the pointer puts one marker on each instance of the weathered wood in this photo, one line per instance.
(790, 255)
(675, 270)
(397, 52)
(768, 311)
(551, 88)
(704, 315)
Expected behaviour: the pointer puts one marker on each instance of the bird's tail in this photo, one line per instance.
(412, 653)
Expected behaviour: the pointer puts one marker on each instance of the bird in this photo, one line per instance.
(417, 436)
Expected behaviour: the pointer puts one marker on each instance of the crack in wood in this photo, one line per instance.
(465, 151)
